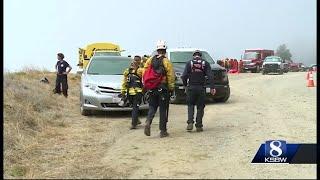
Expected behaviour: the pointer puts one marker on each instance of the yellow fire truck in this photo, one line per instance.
(97, 49)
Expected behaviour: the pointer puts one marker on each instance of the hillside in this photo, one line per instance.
(31, 114)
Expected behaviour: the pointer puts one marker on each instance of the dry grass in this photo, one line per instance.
(46, 137)
(30, 109)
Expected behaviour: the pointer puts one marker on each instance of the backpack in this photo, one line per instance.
(133, 80)
(154, 74)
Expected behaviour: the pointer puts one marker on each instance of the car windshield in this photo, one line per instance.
(185, 56)
(108, 66)
(250, 55)
(272, 59)
(106, 54)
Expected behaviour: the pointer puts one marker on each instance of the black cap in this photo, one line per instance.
(197, 52)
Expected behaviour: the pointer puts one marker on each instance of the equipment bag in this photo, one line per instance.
(133, 79)
(154, 74)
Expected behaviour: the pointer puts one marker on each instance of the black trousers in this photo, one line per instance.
(159, 99)
(135, 101)
(196, 97)
(62, 81)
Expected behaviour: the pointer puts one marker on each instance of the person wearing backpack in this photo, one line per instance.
(158, 80)
(132, 89)
(194, 80)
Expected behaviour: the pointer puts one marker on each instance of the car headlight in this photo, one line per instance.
(93, 87)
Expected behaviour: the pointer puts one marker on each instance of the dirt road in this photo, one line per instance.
(260, 108)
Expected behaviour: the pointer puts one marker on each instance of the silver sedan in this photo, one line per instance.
(101, 85)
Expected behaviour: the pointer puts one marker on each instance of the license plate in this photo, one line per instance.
(207, 90)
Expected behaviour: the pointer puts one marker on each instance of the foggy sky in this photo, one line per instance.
(35, 31)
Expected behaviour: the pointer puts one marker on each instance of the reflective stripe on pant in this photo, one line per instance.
(196, 97)
(135, 101)
(159, 99)
(62, 80)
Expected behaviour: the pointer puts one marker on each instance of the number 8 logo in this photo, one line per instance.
(275, 148)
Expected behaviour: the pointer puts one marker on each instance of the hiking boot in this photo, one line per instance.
(190, 127)
(199, 129)
(163, 134)
(147, 128)
(133, 127)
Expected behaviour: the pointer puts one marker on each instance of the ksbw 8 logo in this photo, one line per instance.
(275, 151)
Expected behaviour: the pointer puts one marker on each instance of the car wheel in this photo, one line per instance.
(84, 112)
(263, 73)
(225, 98)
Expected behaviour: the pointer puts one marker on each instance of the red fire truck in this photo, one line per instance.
(253, 59)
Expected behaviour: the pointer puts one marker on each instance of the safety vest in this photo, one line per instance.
(197, 76)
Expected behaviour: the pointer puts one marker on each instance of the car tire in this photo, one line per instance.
(223, 99)
(281, 72)
(263, 73)
(84, 112)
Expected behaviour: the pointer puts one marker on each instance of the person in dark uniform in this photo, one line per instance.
(194, 80)
(62, 75)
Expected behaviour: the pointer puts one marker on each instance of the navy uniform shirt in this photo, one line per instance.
(61, 66)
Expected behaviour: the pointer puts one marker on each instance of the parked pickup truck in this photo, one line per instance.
(273, 64)
(180, 56)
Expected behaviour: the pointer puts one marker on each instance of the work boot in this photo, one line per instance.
(163, 134)
(199, 129)
(190, 127)
(147, 128)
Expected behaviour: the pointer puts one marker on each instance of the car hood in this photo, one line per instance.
(113, 81)
(179, 67)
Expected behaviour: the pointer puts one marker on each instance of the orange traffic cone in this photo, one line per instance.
(310, 80)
